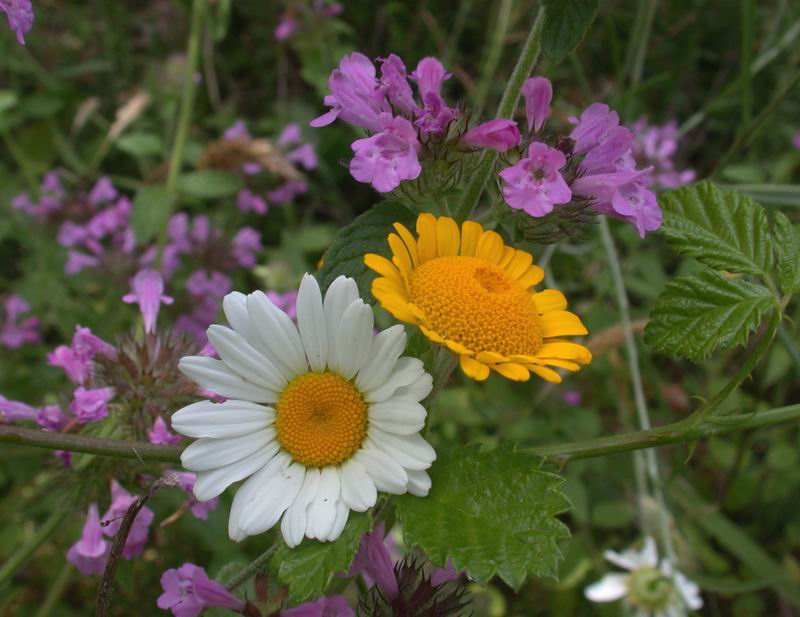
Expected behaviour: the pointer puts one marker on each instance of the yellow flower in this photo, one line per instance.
(469, 291)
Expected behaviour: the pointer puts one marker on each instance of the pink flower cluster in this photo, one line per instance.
(289, 24)
(16, 331)
(188, 591)
(20, 17)
(386, 107)
(51, 196)
(655, 146)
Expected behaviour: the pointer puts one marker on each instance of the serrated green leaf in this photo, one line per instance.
(309, 568)
(210, 183)
(696, 314)
(368, 233)
(723, 229)
(787, 243)
(150, 212)
(565, 25)
(492, 513)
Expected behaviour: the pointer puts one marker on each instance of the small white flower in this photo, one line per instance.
(649, 587)
(320, 417)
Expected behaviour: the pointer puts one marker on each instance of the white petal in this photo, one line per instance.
(387, 474)
(631, 559)
(419, 483)
(243, 358)
(341, 294)
(609, 588)
(205, 454)
(416, 391)
(342, 514)
(229, 419)
(247, 490)
(385, 349)
(235, 307)
(293, 524)
(272, 499)
(358, 489)
(649, 554)
(406, 372)
(277, 332)
(354, 339)
(215, 375)
(399, 416)
(210, 484)
(689, 590)
(411, 451)
(311, 323)
(322, 511)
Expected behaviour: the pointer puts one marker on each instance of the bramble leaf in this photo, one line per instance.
(696, 314)
(368, 233)
(565, 25)
(787, 245)
(309, 568)
(492, 512)
(723, 229)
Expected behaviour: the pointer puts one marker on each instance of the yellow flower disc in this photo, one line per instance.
(321, 419)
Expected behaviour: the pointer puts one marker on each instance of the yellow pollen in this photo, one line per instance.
(321, 419)
(475, 303)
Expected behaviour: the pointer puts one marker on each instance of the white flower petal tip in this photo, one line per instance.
(297, 472)
(610, 588)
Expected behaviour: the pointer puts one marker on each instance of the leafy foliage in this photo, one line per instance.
(696, 314)
(492, 512)
(150, 211)
(787, 246)
(366, 234)
(723, 229)
(309, 568)
(565, 25)
(210, 183)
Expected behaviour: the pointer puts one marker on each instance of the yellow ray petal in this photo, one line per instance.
(432, 334)
(532, 276)
(400, 257)
(474, 369)
(519, 264)
(470, 233)
(508, 256)
(426, 230)
(409, 240)
(545, 373)
(549, 300)
(447, 236)
(565, 350)
(490, 357)
(490, 247)
(383, 266)
(510, 370)
(562, 323)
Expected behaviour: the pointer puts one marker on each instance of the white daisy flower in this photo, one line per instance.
(650, 587)
(319, 417)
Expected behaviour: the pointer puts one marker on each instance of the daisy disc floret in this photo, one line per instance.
(469, 291)
(320, 415)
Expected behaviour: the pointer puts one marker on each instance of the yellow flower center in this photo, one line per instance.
(321, 419)
(475, 303)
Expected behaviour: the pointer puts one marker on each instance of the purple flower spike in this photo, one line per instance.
(147, 288)
(90, 405)
(102, 192)
(374, 561)
(327, 606)
(394, 83)
(429, 75)
(121, 500)
(15, 333)
(388, 157)
(498, 134)
(89, 554)
(161, 435)
(535, 184)
(51, 418)
(14, 411)
(538, 93)
(20, 16)
(188, 590)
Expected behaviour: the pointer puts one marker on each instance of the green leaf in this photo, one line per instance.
(150, 212)
(721, 228)
(367, 234)
(210, 183)
(141, 144)
(309, 568)
(787, 244)
(696, 314)
(491, 512)
(566, 22)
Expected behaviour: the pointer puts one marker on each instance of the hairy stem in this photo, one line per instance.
(250, 569)
(527, 60)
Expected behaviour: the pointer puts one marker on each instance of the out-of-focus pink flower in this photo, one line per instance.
(326, 606)
(289, 135)
(247, 201)
(90, 405)
(238, 130)
(76, 360)
(77, 261)
(51, 418)
(389, 157)
(373, 560)
(287, 192)
(147, 289)
(499, 134)
(286, 301)
(188, 590)
(102, 192)
(394, 82)
(538, 93)
(199, 509)
(161, 435)
(202, 283)
(89, 554)
(535, 184)
(655, 146)
(572, 398)
(285, 28)
(305, 156)
(20, 17)
(440, 576)
(16, 332)
(65, 456)
(429, 75)
(14, 411)
(593, 126)
(121, 500)
(796, 140)
(246, 244)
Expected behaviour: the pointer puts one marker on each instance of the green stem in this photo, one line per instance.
(22, 554)
(250, 570)
(503, 20)
(748, 24)
(184, 116)
(25, 166)
(637, 49)
(56, 590)
(527, 60)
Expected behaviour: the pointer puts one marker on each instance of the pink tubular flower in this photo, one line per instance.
(15, 333)
(327, 606)
(51, 418)
(90, 405)
(498, 134)
(289, 135)
(247, 201)
(14, 411)
(121, 500)
(440, 576)
(147, 289)
(89, 554)
(199, 509)
(374, 561)
(246, 244)
(287, 192)
(285, 28)
(655, 146)
(102, 192)
(388, 157)
(76, 360)
(534, 184)
(286, 301)
(435, 116)
(161, 435)
(20, 17)
(429, 75)
(305, 156)
(188, 590)
(394, 82)
(593, 126)
(538, 93)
